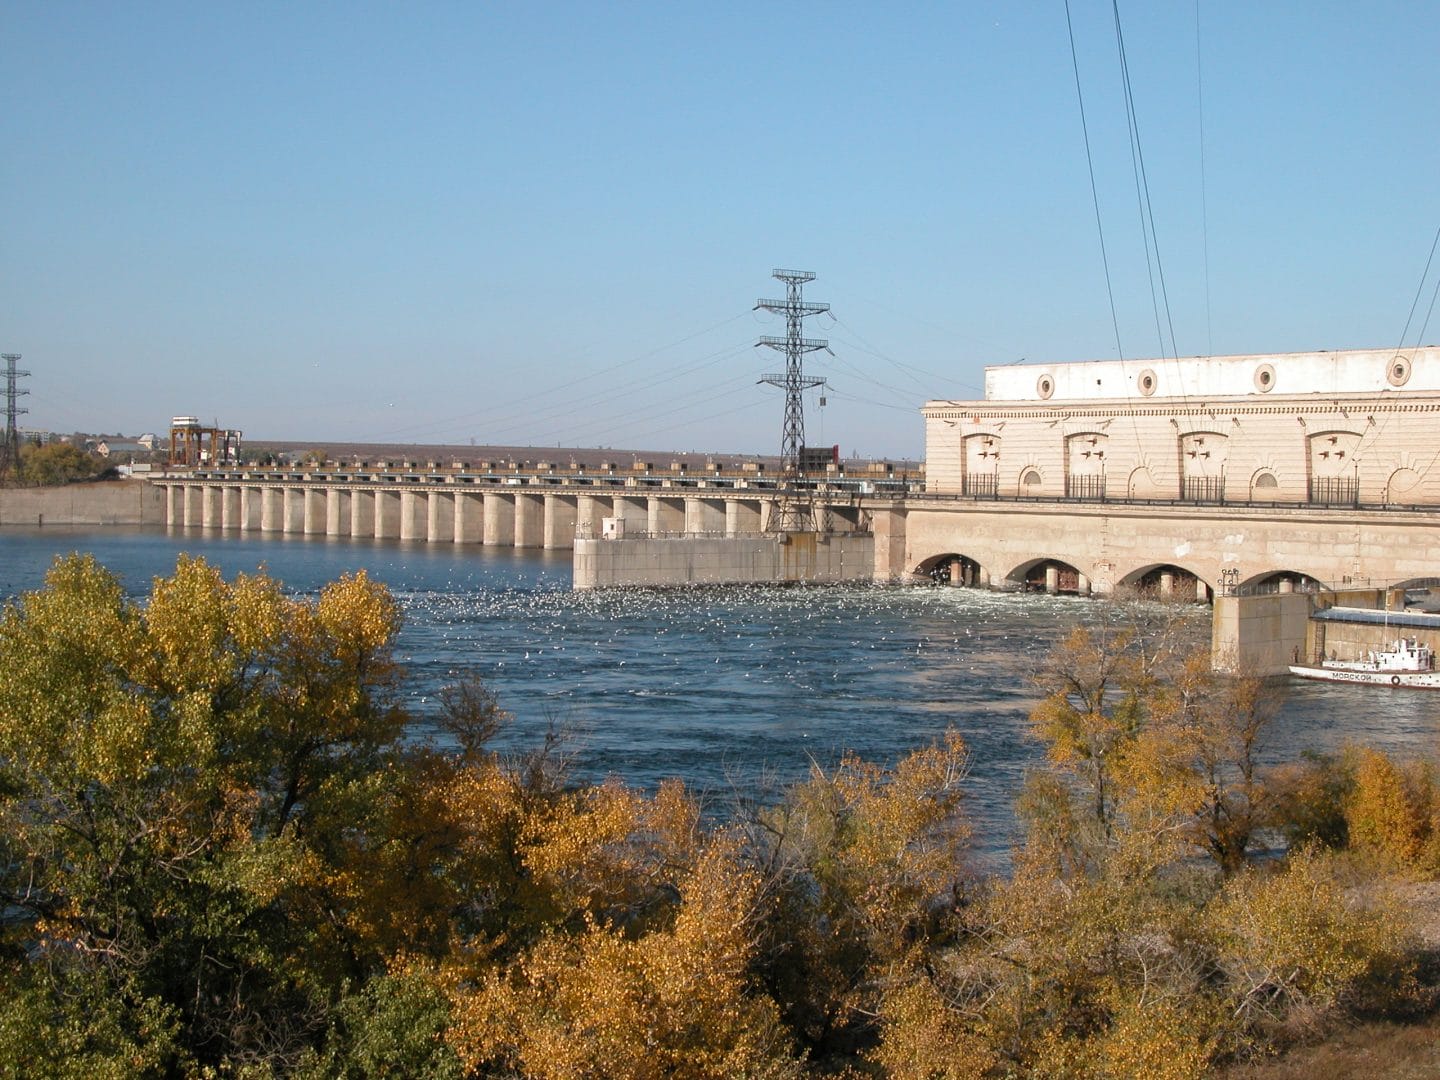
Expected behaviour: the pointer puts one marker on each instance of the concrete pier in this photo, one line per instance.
(293, 510)
(561, 514)
(440, 518)
(337, 512)
(469, 518)
(499, 519)
(387, 515)
(362, 513)
(315, 514)
(704, 516)
(665, 516)
(529, 520)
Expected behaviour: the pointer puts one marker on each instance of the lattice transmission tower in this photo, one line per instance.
(10, 450)
(793, 510)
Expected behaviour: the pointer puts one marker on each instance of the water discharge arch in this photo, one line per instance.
(952, 568)
(1282, 581)
(1167, 581)
(1048, 575)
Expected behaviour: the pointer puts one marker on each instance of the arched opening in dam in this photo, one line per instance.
(1168, 581)
(951, 568)
(1048, 575)
(1282, 581)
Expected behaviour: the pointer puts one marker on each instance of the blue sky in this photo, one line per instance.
(547, 223)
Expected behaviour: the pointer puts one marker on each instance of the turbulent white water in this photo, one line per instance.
(725, 687)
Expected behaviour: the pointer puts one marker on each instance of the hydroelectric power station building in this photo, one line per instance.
(1267, 471)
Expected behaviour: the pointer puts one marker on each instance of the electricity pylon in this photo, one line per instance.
(10, 449)
(793, 511)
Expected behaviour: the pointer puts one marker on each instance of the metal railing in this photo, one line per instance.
(1203, 489)
(1089, 488)
(981, 485)
(1335, 490)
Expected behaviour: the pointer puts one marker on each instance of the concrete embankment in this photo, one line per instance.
(112, 502)
(795, 557)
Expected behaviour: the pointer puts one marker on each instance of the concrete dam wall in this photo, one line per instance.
(110, 502)
(793, 557)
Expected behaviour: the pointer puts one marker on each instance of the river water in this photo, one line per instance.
(727, 688)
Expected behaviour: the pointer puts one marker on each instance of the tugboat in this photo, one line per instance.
(1406, 663)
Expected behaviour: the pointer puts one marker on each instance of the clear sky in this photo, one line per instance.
(547, 223)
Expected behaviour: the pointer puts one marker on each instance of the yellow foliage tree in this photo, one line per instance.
(923, 1037)
(1391, 810)
(863, 865)
(1298, 938)
(672, 999)
(202, 791)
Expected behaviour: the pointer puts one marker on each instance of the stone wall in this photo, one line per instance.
(1259, 635)
(112, 502)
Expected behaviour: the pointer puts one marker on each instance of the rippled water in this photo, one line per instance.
(725, 687)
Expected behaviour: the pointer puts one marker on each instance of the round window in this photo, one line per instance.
(1264, 378)
(1147, 382)
(1045, 386)
(1399, 371)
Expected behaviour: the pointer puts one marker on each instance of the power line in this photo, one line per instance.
(618, 392)
(909, 370)
(1204, 201)
(1147, 208)
(1420, 291)
(1094, 191)
(472, 416)
(860, 374)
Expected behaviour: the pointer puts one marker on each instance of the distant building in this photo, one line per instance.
(108, 448)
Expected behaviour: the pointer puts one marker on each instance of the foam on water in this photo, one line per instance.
(724, 687)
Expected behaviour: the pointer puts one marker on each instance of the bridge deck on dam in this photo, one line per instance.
(511, 507)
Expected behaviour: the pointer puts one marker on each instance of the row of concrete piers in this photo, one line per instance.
(500, 518)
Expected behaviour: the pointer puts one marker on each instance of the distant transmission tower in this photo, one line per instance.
(793, 509)
(10, 451)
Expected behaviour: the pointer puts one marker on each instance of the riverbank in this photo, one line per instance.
(107, 502)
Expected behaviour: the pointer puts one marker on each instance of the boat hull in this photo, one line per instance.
(1400, 680)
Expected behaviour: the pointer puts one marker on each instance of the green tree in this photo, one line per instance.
(58, 463)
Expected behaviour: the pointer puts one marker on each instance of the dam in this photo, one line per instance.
(1195, 478)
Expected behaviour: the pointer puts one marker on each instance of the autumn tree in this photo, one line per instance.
(861, 865)
(198, 796)
(225, 848)
(1305, 939)
(1392, 810)
(1146, 740)
(1199, 757)
(667, 995)
(1093, 695)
